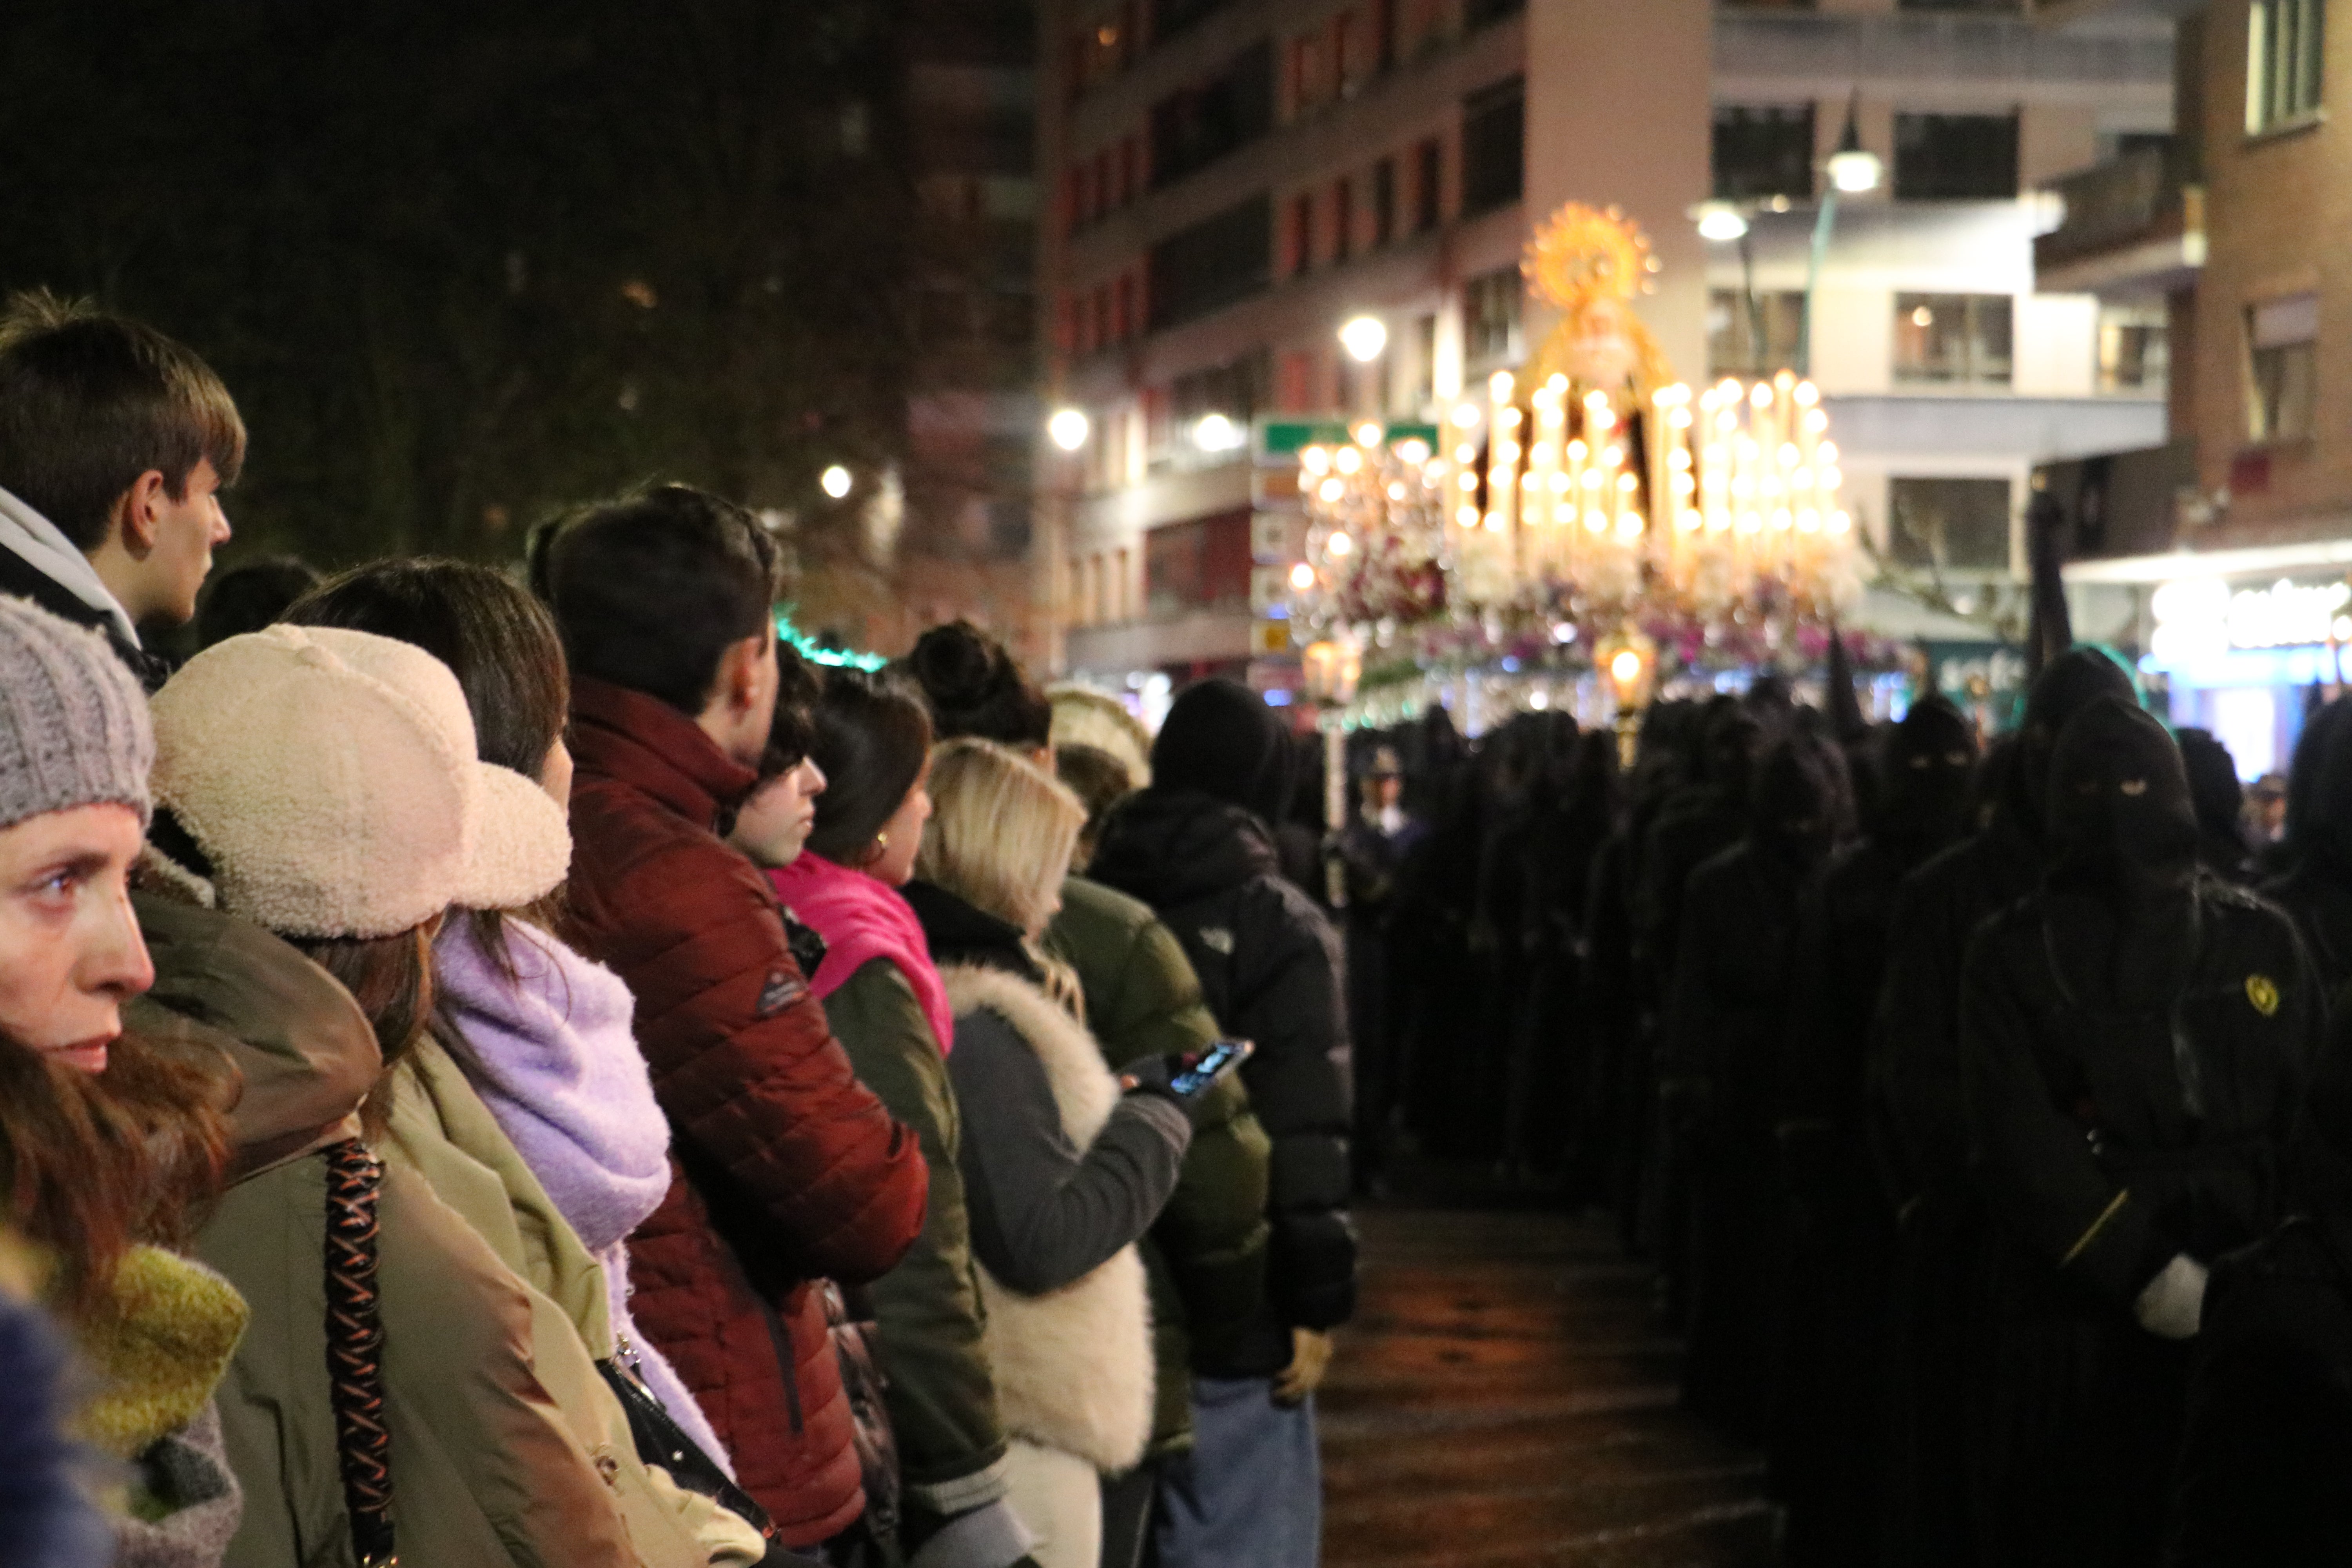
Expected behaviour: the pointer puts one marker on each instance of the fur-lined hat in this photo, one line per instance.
(331, 779)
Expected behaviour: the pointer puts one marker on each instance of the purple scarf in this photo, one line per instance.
(862, 920)
(553, 1055)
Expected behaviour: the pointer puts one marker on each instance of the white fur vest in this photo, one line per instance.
(1074, 1366)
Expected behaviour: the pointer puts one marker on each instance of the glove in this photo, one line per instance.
(2174, 1301)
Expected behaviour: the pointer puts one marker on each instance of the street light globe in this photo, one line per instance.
(1719, 221)
(835, 481)
(1069, 428)
(1856, 171)
(1364, 338)
(1215, 433)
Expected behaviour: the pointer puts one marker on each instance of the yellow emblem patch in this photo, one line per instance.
(2263, 993)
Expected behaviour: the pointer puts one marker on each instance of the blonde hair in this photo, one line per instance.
(1002, 833)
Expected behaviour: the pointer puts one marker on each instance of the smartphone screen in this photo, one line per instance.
(1205, 1068)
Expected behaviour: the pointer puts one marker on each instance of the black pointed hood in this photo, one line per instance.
(1925, 771)
(1799, 806)
(2070, 683)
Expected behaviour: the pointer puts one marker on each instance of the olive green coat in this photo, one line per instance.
(1206, 1253)
(487, 1468)
(941, 1395)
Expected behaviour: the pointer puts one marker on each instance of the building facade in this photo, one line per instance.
(1232, 182)
(2233, 538)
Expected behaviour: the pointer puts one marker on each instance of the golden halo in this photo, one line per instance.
(1582, 254)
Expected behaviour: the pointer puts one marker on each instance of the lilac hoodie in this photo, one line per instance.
(555, 1059)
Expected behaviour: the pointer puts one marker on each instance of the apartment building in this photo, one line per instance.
(2233, 537)
(1234, 180)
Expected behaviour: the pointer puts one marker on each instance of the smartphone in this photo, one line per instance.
(1202, 1070)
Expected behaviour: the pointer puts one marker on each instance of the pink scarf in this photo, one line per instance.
(862, 920)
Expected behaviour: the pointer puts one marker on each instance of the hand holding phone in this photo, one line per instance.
(1185, 1076)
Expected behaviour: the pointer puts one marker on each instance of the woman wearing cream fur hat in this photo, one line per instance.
(324, 784)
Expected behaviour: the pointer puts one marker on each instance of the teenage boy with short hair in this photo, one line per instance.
(115, 444)
(788, 1170)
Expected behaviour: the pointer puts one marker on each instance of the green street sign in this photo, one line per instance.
(1279, 441)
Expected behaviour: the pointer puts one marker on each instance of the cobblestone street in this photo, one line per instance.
(1505, 1397)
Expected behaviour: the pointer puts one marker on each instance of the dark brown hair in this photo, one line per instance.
(872, 737)
(96, 1162)
(498, 640)
(88, 402)
(975, 686)
(390, 978)
(649, 591)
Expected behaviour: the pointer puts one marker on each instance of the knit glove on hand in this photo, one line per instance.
(989, 1536)
(2174, 1301)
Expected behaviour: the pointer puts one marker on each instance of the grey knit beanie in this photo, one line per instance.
(73, 722)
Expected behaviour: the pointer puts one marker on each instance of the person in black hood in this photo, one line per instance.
(2221, 803)
(1724, 1015)
(1197, 848)
(1828, 1425)
(2317, 888)
(1915, 1089)
(2269, 1440)
(2134, 1037)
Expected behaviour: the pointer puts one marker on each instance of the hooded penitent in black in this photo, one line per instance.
(1724, 1015)
(1829, 1426)
(1193, 847)
(2269, 1440)
(2133, 1039)
(1916, 1103)
(2318, 889)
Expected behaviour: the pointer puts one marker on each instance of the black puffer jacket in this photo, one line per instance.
(1269, 968)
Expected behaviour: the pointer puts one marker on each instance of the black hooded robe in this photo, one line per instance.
(2134, 1037)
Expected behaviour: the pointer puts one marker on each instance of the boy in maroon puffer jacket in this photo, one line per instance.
(787, 1171)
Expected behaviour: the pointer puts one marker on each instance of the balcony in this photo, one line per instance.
(2134, 226)
(1886, 53)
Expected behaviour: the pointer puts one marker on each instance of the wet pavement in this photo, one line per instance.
(1504, 1396)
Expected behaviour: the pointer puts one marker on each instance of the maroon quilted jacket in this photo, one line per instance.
(786, 1169)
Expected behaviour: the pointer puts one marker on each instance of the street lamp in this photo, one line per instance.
(1216, 433)
(1069, 429)
(1720, 221)
(835, 481)
(1853, 170)
(1364, 337)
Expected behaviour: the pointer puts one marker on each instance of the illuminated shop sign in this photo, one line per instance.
(2217, 635)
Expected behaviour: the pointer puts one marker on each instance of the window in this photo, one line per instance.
(1425, 371)
(1952, 339)
(1493, 147)
(2283, 337)
(1130, 159)
(1220, 260)
(1384, 201)
(1947, 523)
(1347, 52)
(1193, 128)
(2283, 61)
(1343, 219)
(1477, 14)
(1491, 307)
(2134, 350)
(1203, 565)
(1123, 309)
(1170, 17)
(1305, 73)
(1302, 235)
(1428, 162)
(1955, 157)
(1765, 151)
(1753, 335)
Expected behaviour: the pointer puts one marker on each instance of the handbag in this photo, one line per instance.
(661, 1441)
(853, 1330)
